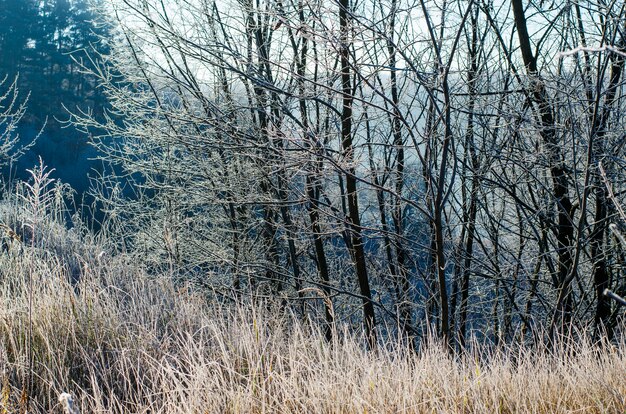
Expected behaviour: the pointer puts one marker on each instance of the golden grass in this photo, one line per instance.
(122, 342)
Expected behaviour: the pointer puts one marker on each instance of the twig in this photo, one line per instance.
(609, 189)
(617, 298)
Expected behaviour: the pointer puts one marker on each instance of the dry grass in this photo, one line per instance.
(125, 343)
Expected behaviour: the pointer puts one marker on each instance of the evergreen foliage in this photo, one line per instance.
(45, 44)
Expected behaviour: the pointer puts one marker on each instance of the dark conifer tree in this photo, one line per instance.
(44, 42)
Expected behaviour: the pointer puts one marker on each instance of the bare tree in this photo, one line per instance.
(437, 175)
(11, 113)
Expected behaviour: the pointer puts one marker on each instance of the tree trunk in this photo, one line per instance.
(560, 187)
(354, 221)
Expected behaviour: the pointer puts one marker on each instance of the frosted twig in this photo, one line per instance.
(609, 189)
(598, 49)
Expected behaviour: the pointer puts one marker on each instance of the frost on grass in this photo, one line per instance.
(67, 402)
(124, 341)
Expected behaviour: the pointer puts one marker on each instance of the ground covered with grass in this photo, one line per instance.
(122, 341)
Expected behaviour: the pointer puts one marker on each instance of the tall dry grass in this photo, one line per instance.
(73, 319)
(124, 342)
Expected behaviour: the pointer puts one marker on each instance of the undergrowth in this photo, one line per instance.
(75, 319)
